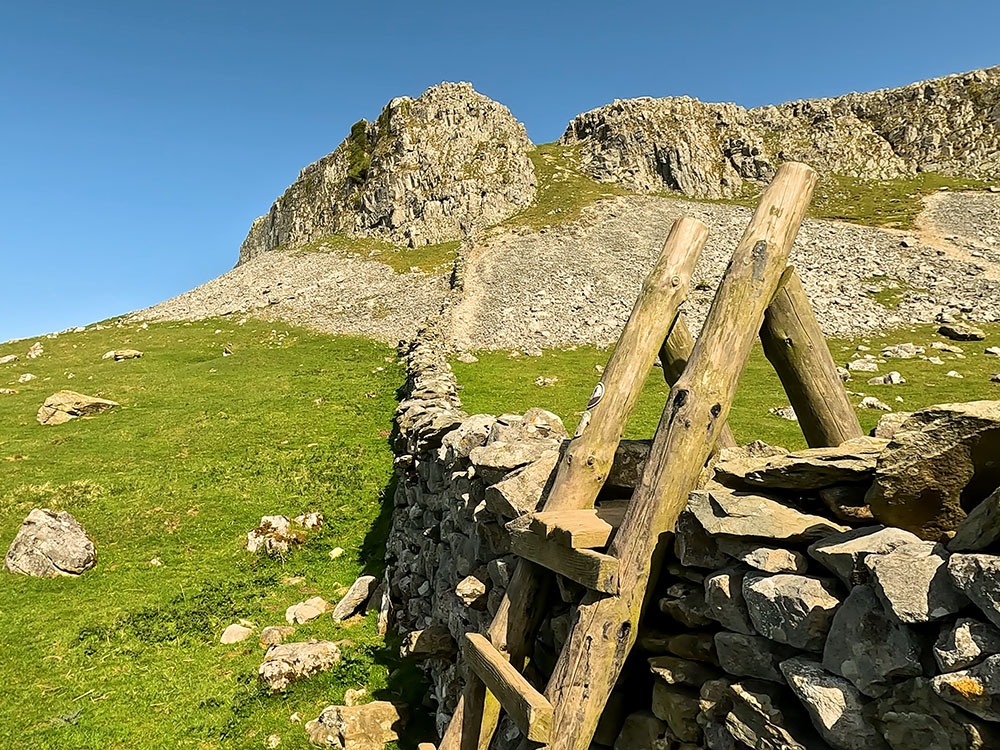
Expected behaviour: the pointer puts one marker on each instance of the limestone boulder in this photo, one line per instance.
(289, 662)
(940, 464)
(522, 491)
(356, 598)
(50, 544)
(367, 727)
(63, 406)
(751, 655)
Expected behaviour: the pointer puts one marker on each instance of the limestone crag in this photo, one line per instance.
(427, 170)
(946, 125)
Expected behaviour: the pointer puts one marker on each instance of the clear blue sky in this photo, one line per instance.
(138, 140)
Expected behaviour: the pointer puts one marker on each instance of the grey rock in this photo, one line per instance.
(888, 424)
(676, 671)
(724, 600)
(686, 604)
(847, 502)
(693, 546)
(496, 460)
(630, 457)
(844, 554)
(760, 557)
(288, 662)
(913, 583)
(978, 577)
(965, 643)
(367, 727)
(913, 717)
(63, 406)
(942, 460)
(756, 718)
(961, 332)
(810, 469)
(834, 705)
(470, 434)
(356, 598)
(678, 707)
(50, 544)
(980, 530)
(523, 490)
(751, 515)
(976, 690)
(751, 655)
(868, 647)
(640, 731)
(791, 609)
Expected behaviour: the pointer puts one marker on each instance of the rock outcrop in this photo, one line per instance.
(946, 125)
(63, 406)
(427, 170)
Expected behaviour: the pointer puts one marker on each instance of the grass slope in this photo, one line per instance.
(127, 656)
(498, 383)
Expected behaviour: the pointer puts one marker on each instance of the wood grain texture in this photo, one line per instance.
(588, 528)
(585, 466)
(596, 571)
(606, 626)
(795, 346)
(526, 706)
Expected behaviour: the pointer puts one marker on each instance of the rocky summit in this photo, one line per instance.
(427, 170)
(946, 125)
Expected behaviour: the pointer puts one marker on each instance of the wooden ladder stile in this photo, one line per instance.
(580, 475)
(606, 626)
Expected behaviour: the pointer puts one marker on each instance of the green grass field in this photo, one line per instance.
(127, 655)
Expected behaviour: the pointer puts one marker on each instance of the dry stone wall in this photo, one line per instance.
(786, 615)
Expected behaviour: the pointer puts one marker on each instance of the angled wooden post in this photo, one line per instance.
(606, 627)
(795, 346)
(584, 468)
(674, 355)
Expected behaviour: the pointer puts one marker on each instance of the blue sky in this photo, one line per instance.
(138, 140)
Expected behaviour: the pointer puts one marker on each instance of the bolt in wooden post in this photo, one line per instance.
(794, 344)
(606, 626)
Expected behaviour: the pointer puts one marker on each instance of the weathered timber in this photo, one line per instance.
(606, 626)
(526, 706)
(674, 354)
(588, 528)
(584, 467)
(596, 571)
(795, 346)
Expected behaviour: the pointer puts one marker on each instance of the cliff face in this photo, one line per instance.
(427, 170)
(949, 125)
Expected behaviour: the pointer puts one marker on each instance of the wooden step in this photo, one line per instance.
(526, 706)
(594, 570)
(580, 529)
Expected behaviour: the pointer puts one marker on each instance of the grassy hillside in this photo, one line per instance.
(127, 655)
(498, 383)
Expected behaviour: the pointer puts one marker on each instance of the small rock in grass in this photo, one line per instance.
(120, 355)
(288, 662)
(26, 378)
(272, 635)
(890, 378)
(993, 351)
(8, 358)
(954, 374)
(785, 412)
(862, 365)
(310, 520)
(355, 599)
(870, 402)
(235, 633)
(36, 350)
(367, 727)
(961, 332)
(336, 552)
(63, 406)
(303, 612)
(50, 544)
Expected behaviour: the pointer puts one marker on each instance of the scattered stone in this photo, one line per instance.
(939, 462)
(902, 351)
(791, 609)
(751, 655)
(336, 552)
(311, 520)
(355, 599)
(946, 347)
(367, 727)
(954, 374)
(8, 358)
(993, 351)
(36, 350)
(7, 391)
(767, 559)
(870, 402)
(813, 468)
(890, 378)
(785, 412)
(272, 635)
(965, 643)
(50, 544)
(867, 647)
(746, 514)
(913, 717)
(834, 706)
(234, 634)
(274, 535)
(844, 554)
(912, 581)
(724, 600)
(63, 406)
(995, 377)
(862, 365)
(976, 690)
(303, 612)
(467, 358)
(288, 662)
(978, 577)
(119, 355)
(961, 332)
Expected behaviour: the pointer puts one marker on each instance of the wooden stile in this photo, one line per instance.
(794, 344)
(606, 626)
(584, 468)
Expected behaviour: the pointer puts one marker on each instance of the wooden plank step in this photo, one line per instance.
(580, 529)
(594, 570)
(526, 706)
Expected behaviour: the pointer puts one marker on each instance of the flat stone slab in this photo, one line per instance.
(811, 469)
(751, 515)
(63, 406)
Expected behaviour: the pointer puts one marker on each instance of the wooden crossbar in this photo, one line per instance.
(579, 529)
(596, 571)
(526, 706)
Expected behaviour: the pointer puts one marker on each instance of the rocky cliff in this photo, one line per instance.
(949, 125)
(427, 170)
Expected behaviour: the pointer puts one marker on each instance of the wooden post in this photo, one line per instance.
(795, 346)
(606, 626)
(584, 467)
(674, 355)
